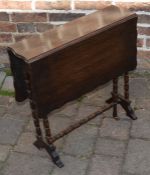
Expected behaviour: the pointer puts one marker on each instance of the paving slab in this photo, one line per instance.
(138, 157)
(21, 164)
(3, 110)
(10, 130)
(141, 127)
(6, 101)
(128, 174)
(2, 77)
(110, 147)
(4, 152)
(139, 88)
(80, 142)
(85, 110)
(1, 166)
(8, 84)
(19, 116)
(22, 107)
(142, 104)
(115, 129)
(73, 166)
(105, 165)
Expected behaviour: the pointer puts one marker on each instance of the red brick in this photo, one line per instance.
(4, 16)
(91, 4)
(4, 38)
(148, 43)
(59, 5)
(41, 27)
(26, 27)
(2, 50)
(64, 16)
(143, 54)
(143, 18)
(29, 17)
(22, 5)
(7, 27)
(140, 42)
(143, 30)
(134, 6)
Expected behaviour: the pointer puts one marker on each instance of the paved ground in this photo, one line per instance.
(104, 146)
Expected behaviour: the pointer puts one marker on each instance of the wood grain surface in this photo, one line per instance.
(37, 47)
(104, 48)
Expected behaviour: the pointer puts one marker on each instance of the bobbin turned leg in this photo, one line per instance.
(50, 148)
(114, 96)
(126, 104)
(126, 86)
(39, 142)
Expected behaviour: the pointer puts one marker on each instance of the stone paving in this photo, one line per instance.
(104, 146)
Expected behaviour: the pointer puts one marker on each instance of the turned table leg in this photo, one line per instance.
(115, 94)
(124, 102)
(50, 148)
(39, 142)
(126, 86)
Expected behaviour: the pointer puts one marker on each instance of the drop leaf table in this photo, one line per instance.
(62, 64)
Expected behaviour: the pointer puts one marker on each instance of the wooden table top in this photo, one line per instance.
(37, 47)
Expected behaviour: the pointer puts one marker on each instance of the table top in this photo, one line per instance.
(37, 47)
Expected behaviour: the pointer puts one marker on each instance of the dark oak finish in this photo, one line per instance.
(115, 93)
(37, 47)
(64, 63)
(87, 61)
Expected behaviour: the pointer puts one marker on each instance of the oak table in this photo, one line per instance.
(64, 63)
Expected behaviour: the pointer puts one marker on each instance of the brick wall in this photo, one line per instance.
(23, 18)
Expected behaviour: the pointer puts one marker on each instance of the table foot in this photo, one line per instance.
(54, 155)
(127, 107)
(38, 144)
(51, 149)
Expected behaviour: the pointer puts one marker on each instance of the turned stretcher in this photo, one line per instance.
(64, 63)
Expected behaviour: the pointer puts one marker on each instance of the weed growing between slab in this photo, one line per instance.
(7, 93)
